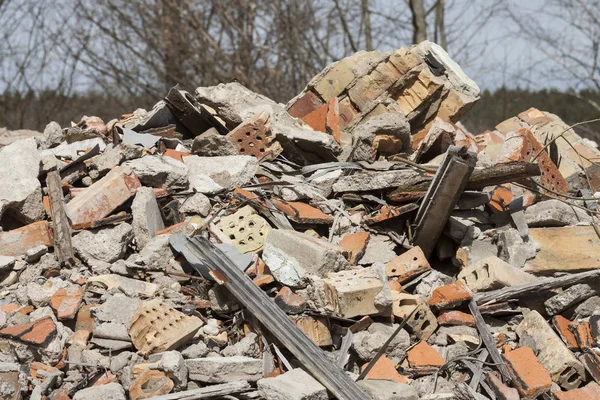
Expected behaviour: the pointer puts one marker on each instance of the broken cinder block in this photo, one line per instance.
(492, 273)
(423, 322)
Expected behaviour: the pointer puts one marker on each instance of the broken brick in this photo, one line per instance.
(388, 212)
(66, 301)
(384, 369)
(529, 377)
(455, 318)
(408, 265)
(356, 244)
(290, 302)
(316, 329)
(302, 213)
(423, 355)
(450, 295)
(591, 391)
(561, 324)
(149, 384)
(305, 104)
(18, 241)
(583, 334)
(502, 391)
(38, 333)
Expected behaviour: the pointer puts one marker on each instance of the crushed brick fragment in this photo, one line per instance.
(66, 301)
(450, 295)
(529, 377)
(38, 333)
(356, 244)
(423, 355)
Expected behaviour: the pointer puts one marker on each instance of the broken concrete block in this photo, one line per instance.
(156, 327)
(246, 229)
(449, 296)
(423, 355)
(553, 355)
(492, 273)
(292, 257)
(423, 322)
(131, 287)
(103, 197)
(572, 248)
(354, 293)
(225, 369)
(380, 249)
(156, 255)
(115, 156)
(213, 174)
(160, 172)
(364, 136)
(20, 189)
(18, 241)
(196, 204)
(212, 144)
(117, 308)
(10, 389)
(367, 343)
(147, 219)
(515, 250)
(110, 391)
(108, 244)
(554, 213)
(293, 385)
(380, 180)
(529, 376)
(388, 390)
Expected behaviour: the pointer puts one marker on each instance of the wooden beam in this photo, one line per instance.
(60, 224)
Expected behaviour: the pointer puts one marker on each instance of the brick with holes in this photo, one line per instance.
(254, 137)
(423, 322)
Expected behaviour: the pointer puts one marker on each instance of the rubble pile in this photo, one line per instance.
(356, 243)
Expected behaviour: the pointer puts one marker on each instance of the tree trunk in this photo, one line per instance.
(367, 17)
(418, 19)
(440, 28)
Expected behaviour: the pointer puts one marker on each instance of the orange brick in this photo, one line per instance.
(289, 301)
(18, 241)
(176, 155)
(384, 369)
(591, 391)
(529, 377)
(450, 295)
(561, 324)
(37, 333)
(455, 318)
(302, 213)
(356, 244)
(388, 212)
(408, 265)
(66, 301)
(305, 104)
(583, 334)
(423, 355)
(502, 391)
(317, 119)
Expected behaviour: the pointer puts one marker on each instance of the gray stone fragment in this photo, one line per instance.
(248, 347)
(39, 293)
(6, 264)
(114, 156)
(568, 298)
(147, 219)
(380, 249)
(20, 189)
(293, 385)
(555, 213)
(108, 244)
(197, 350)
(225, 369)
(212, 144)
(118, 308)
(380, 389)
(364, 182)
(367, 343)
(588, 307)
(34, 254)
(293, 256)
(316, 188)
(112, 330)
(53, 136)
(363, 135)
(196, 204)
(514, 250)
(432, 281)
(213, 174)
(160, 172)
(173, 364)
(110, 391)
(156, 255)
(71, 151)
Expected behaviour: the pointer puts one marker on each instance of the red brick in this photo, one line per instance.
(332, 121)
(103, 197)
(356, 244)
(583, 334)
(502, 391)
(384, 369)
(302, 213)
(529, 377)
(317, 119)
(450, 295)
(18, 241)
(36, 366)
(38, 333)
(347, 112)
(66, 301)
(176, 155)
(589, 392)
(423, 355)
(305, 104)
(455, 318)
(561, 324)
(289, 301)
(387, 213)
(408, 265)
(254, 137)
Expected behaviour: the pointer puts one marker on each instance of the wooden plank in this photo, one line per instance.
(502, 173)
(278, 323)
(207, 392)
(60, 224)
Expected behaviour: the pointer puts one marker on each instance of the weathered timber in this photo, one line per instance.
(443, 194)
(60, 224)
(207, 392)
(502, 173)
(278, 323)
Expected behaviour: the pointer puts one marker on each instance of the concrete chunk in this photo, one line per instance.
(213, 174)
(147, 219)
(160, 172)
(381, 389)
(554, 213)
(106, 245)
(110, 391)
(293, 385)
(225, 369)
(293, 256)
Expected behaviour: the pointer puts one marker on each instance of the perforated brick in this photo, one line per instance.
(246, 229)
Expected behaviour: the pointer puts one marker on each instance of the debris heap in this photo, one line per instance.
(356, 243)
